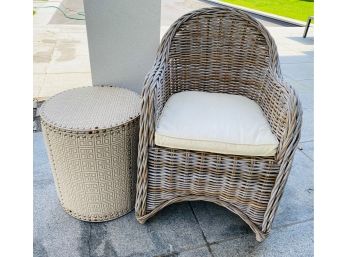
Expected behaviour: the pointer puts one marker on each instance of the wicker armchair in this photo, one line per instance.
(226, 51)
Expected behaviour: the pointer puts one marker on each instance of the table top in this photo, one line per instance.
(91, 108)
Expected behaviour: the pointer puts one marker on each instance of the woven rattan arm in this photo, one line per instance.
(282, 108)
(146, 133)
(285, 117)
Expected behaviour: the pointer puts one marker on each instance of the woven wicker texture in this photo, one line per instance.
(94, 169)
(91, 107)
(219, 50)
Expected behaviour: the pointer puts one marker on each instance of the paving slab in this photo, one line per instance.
(291, 57)
(298, 71)
(218, 223)
(44, 13)
(42, 170)
(306, 85)
(172, 230)
(58, 82)
(171, 10)
(71, 7)
(68, 49)
(61, 59)
(69, 63)
(55, 235)
(292, 241)
(200, 252)
(43, 52)
(307, 132)
(297, 203)
(38, 82)
(306, 98)
(296, 41)
(308, 149)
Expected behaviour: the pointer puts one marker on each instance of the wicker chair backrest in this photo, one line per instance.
(218, 50)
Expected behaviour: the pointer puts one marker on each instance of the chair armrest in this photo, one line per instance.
(151, 101)
(283, 110)
(153, 82)
(284, 113)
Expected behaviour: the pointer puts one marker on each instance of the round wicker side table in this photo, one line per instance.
(91, 135)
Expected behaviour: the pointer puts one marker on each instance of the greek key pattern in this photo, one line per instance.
(94, 172)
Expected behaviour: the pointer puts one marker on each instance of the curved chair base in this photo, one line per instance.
(260, 235)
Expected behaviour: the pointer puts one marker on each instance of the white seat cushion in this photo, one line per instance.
(215, 122)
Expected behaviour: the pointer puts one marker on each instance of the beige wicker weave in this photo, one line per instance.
(91, 135)
(217, 50)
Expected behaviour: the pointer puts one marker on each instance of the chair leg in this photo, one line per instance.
(307, 27)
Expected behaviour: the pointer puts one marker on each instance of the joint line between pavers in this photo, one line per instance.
(302, 151)
(275, 228)
(293, 224)
(307, 155)
(203, 235)
(307, 141)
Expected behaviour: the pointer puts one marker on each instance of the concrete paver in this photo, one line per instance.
(297, 203)
(308, 149)
(307, 132)
(292, 241)
(218, 223)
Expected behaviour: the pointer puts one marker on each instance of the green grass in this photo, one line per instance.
(295, 9)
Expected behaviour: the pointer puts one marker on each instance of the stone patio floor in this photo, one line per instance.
(187, 229)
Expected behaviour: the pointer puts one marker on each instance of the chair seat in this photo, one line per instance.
(215, 122)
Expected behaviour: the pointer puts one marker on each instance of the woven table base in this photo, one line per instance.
(94, 168)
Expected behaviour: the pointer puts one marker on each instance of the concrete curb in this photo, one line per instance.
(264, 14)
